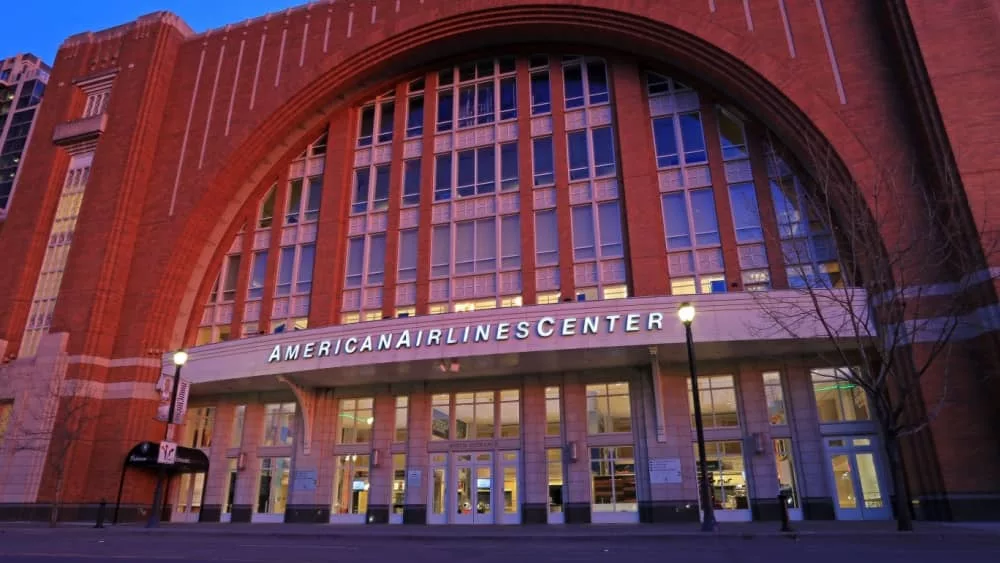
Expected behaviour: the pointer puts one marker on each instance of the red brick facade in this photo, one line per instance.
(201, 126)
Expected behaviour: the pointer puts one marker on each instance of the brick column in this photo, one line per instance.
(577, 488)
(535, 500)
(526, 189)
(328, 269)
(808, 454)
(560, 161)
(647, 249)
(424, 226)
(218, 464)
(246, 479)
(419, 415)
(720, 189)
(308, 484)
(380, 478)
(274, 250)
(762, 472)
(391, 268)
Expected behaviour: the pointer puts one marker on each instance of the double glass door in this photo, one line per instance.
(474, 488)
(859, 489)
(191, 487)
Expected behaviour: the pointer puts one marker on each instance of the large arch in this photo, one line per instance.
(784, 102)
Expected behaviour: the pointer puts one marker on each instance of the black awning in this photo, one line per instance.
(188, 460)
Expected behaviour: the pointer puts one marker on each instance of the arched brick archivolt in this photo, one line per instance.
(672, 33)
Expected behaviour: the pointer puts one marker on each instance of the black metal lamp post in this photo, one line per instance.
(180, 358)
(708, 524)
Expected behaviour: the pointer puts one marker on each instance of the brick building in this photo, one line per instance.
(427, 256)
(22, 85)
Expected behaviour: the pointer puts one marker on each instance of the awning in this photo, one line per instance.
(188, 460)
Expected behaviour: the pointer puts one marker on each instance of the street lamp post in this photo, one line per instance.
(180, 358)
(708, 524)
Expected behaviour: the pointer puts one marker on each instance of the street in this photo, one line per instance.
(38, 546)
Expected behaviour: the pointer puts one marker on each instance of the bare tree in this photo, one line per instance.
(51, 419)
(880, 308)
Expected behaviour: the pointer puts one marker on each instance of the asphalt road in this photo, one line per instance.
(51, 548)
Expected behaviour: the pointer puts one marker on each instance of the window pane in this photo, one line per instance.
(294, 202)
(464, 247)
(693, 137)
(508, 166)
(362, 178)
(415, 117)
(258, 275)
(508, 98)
(467, 106)
(546, 238)
(355, 260)
(706, 225)
(541, 97)
(604, 152)
(579, 157)
(510, 241)
(376, 259)
(486, 245)
(446, 101)
(573, 84)
(746, 216)
(442, 177)
(675, 220)
(367, 126)
(381, 199)
(385, 122)
(583, 233)
(611, 229)
(666, 142)
(542, 157)
(466, 173)
(285, 265)
(408, 255)
(597, 82)
(486, 172)
(441, 251)
(485, 103)
(315, 198)
(731, 136)
(307, 256)
(411, 182)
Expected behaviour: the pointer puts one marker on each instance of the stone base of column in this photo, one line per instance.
(210, 513)
(40, 512)
(242, 513)
(765, 510)
(577, 512)
(968, 507)
(307, 514)
(664, 511)
(415, 514)
(378, 514)
(534, 513)
(818, 508)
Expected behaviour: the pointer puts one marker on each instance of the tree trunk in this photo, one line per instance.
(56, 501)
(904, 518)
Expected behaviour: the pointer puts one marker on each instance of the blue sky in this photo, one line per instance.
(49, 22)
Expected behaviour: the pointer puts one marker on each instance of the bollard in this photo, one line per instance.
(100, 514)
(783, 504)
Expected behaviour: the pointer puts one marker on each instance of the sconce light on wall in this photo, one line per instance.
(375, 458)
(241, 461)
(571, 451)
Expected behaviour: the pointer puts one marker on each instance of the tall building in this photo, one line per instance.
(427, 260)
(22, 85)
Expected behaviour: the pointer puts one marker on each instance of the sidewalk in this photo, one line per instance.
(586, 532)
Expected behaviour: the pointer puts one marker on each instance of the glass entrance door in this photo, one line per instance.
(859, 491)
(189, 493)
(474, 489)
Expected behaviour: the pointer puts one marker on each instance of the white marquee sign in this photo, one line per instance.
(594, 326)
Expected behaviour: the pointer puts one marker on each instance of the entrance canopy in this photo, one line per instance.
(535, 339)
(188, 460)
